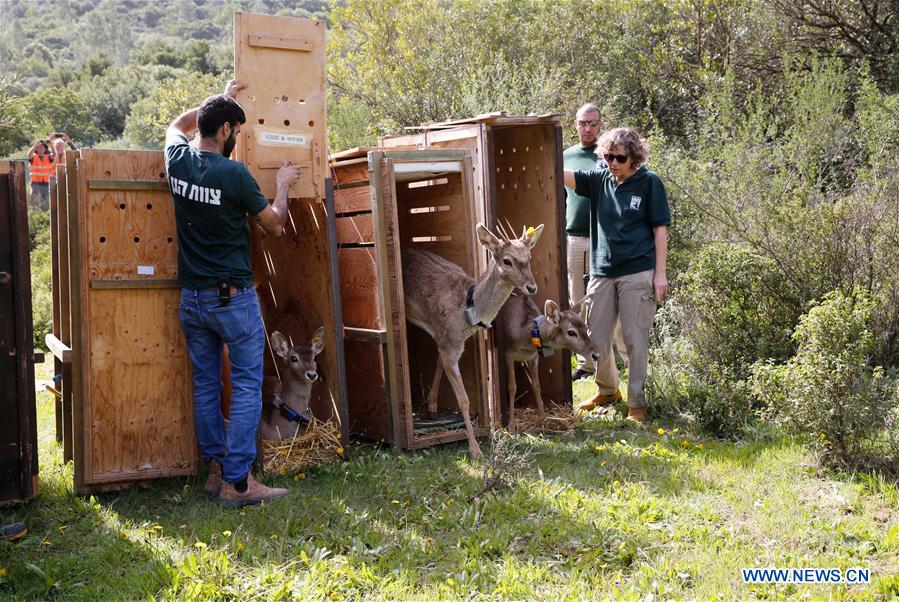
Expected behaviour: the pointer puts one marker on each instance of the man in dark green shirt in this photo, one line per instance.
(629, 219)
(213, 196)
(580, 157)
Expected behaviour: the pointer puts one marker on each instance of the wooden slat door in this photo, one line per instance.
(18, 428)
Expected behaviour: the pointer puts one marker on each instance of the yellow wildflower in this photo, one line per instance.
(685, 443)
(226, 533)
(2, 571)
(661, 431)
(339, 451)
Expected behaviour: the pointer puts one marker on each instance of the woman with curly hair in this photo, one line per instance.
(629, 219)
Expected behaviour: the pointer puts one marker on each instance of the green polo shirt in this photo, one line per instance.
(213, 196)
(622, 217)
(577, 207)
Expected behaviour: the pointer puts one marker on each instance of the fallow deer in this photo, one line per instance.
(450, 305)
(519, 320)
(298, 373)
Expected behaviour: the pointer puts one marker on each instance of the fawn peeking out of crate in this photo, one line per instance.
(530, 335)
(299, 372)
(450, 305)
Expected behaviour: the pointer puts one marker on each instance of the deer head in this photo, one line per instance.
(568, 330)
(299, 359)
(513, 256)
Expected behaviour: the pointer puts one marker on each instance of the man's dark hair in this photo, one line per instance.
(216, 111)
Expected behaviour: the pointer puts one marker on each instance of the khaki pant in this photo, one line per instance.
(630, 299)
(578, 265)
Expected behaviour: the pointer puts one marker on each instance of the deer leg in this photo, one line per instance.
(451, 366)
(534, 369)
(512, 386)
(434, 392)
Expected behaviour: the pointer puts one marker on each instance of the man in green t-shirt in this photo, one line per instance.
(213, 196)
(582, 157)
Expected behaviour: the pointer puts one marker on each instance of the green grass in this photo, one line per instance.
(613, 510)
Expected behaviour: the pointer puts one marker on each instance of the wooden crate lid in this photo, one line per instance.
(495, 119)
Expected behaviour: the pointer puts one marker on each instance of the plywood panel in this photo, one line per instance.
(140, 398)
(283, 61)
(296, 274)
(132, 409)
(526, 160)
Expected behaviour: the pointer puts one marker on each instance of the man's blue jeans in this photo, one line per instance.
(207, 325)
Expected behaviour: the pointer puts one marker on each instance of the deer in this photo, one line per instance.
(282, 418)
(451, 306)
(529, 335)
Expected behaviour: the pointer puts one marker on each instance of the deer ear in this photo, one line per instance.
(532, 235)
(551, 311)
(279, 344)
(488, 239)
(318, 341)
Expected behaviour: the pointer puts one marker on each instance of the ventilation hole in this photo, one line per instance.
(251, 98)
(284, 98)
(169, 239)
(137, 239)
(311, 124)
(527, 149)
(287, 122)
(261, 121)
(500, 151)
(161, 174)
(149, 205)
(121, 205)
(514, 150)
(102, 239)
(277, 100)
(510, 169)
(108, 173)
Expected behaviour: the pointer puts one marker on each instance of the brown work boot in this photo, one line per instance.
(636, 414)
(599, 400)
(255, 493)
(213, 479)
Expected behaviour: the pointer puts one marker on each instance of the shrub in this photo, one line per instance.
(737, 309)
(828, 390)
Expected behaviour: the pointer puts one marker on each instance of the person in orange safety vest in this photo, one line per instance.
(42, 162)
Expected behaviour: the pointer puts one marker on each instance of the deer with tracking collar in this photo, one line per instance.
(529, 335)
(450, 305)
(282, 419)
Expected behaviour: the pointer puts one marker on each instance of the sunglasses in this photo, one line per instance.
(585, 122)
(622, 159)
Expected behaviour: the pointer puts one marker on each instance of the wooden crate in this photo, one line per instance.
(518, 179)
(386, 201)
(115, 267)
(18, 428)
(283, 61)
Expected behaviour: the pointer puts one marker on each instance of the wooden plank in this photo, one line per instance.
(355, 229)
(54, 288)
(352, 199)
(65, 310)
(100, 283)
(359, 289)
(281, 43)
(349, 174)
(80, 319)
(150, 185)
(366, 391)
(60, 350)
(422, 441)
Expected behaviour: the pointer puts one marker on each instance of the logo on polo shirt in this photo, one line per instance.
(200, 194)
(635, 202)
